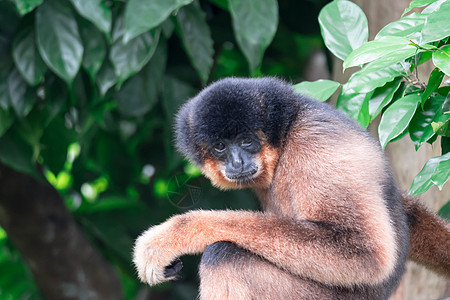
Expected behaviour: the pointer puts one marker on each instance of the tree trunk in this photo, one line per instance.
(417, 283)
(64, 263)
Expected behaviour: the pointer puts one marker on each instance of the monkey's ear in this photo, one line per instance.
(182, 131)
(184, 136)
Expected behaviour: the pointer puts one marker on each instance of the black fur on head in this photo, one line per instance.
(232, 106)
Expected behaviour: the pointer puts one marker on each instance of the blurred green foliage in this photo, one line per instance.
(88, 91)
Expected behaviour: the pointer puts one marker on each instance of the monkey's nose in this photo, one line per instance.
(237, 163)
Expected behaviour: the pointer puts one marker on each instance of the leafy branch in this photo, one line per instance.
(388, 83)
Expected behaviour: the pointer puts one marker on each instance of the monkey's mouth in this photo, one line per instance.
(242, 177)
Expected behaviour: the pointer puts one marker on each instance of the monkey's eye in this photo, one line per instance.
(246, 142)
(219, 147)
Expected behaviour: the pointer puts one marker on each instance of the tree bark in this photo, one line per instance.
(64, 263)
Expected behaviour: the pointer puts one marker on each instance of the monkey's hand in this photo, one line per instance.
(156, 254)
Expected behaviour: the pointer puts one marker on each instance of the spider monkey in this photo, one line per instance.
(333, 225)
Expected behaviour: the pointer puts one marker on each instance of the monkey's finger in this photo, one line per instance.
(174, 268)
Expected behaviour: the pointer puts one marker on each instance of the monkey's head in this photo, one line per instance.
(234, 128)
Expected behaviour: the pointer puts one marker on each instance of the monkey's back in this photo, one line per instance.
(342, 178)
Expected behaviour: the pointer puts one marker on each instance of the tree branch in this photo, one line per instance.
(64, 263)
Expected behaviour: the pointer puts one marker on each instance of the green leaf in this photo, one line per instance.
(426, 47)
(320, 89)
(137, 96)
(400, 136)
(442, 128)
(441, 59)
(4, 93)
(31, 130)
(54, 144)
(381, 97)
(376, 49)
(58, 40)
(444, 212)
(25, 6)
(364, 116)
(6, 120)
(432, 139)
(9, 22)
(433, 7)
(396, 118)
(411, 89)
(15, 153)
(417, 3)
(436, 171)
(106, 77)
(408, 27)
(434, 82)
(223, 4)
(175, 92)
(14, 268)
(355, 105)
(140, 93)
(96, 11)
(436, 27)
(56, 96)
(94, 48)
(446, 104)
(445, 145)
(5, 69)
(143, 15)
(254, 24)
(371, 77)
(27, 58)
(420, 128)
(167, 27)
(444, 91)
(196, 38)
(344, 27)
(424, 57)
(394, 60)
(129, 58)
(21, 97)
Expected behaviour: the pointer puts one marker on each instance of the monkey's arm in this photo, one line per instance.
(322, 252)
(429, 237)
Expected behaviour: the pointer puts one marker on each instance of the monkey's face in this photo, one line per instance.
(238, 157)
(241, 161)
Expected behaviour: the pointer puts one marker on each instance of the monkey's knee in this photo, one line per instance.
(230, 272)
(220, 253)
(219, 277)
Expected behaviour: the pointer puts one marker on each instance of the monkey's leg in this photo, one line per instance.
(219, 275)
(230, 272)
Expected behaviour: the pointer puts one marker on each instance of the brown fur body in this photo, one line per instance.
(333, 225)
